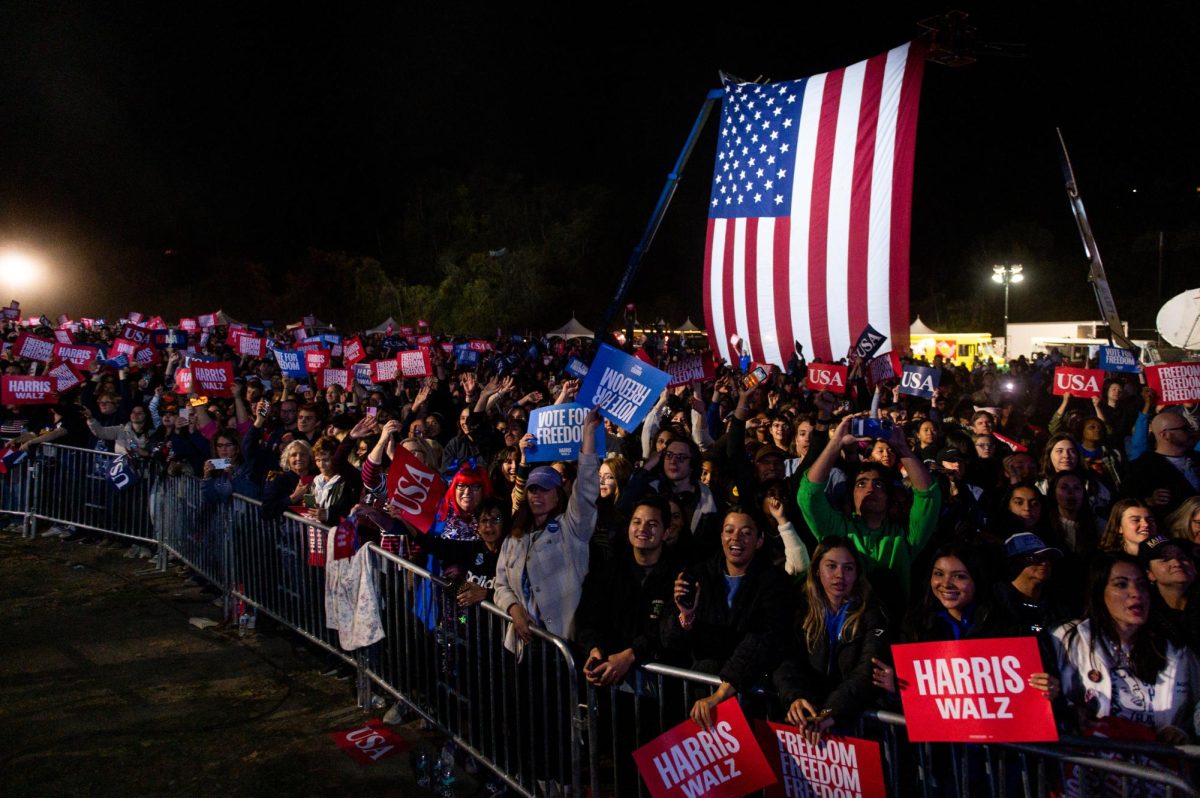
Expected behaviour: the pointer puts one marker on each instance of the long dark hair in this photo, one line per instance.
(923, 619)
(1149, 654)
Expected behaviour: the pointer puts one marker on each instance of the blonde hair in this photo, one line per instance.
(818, 603)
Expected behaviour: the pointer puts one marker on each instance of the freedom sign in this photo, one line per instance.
(414, 363)
(1175, 384)
(384, 370)
(883, 368)
(63, 336)
(826, 377)
(689, 762)
(291, 363)
(558, 433)
(920, 381)
(213, 379)
(65, 376)
(835, 766)
(31, 347)
(414, 489)
(973, 691)
(689, 370)
(328, 376)
(77, 355)
(622, 387)
(21, 390)
(251, 345)
(1114, 358)
(576, 368)
(1084, 383)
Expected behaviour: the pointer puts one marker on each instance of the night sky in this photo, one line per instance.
(262, 130)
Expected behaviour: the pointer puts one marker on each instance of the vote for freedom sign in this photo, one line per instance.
(973, 691)
(689, 762)
(623, 388)
(558, 433)
(836, 766)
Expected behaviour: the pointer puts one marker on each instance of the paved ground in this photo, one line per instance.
(105, 689)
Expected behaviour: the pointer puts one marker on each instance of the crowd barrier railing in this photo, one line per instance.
(529, 719)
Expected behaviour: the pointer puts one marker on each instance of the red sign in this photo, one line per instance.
(250, 345)
(189, 325)
(19, 390)
(973, 691)
(883, 368)
(65, 377)
(448, 347)
(836, 766)
(691, 369)
(135, 317)
(207, 320)
(63, 336)
(688, 762)
(183, 380)
(1175, 384)
(213, 379)
(145, 356)
(124, 346)
(414, 489)
(368, 744)
(425, 340)
(479, 345)
(948, 349)
(316, 359)
(353, 351)
(77, 355)
(157, 323)
(327, 377)
(406, 331)
(384, 370)
(139, 335)
(33, 348)
(826, 377)
(1084, 383)
(415, 363)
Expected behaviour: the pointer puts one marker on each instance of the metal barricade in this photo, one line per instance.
(519, 716)
(274, 569)
(14, 494)
(191, 527)
(71, 486)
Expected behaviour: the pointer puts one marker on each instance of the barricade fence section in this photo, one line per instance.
(521, 709)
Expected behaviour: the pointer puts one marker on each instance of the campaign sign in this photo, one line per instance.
(835, 766)
(207, 321)
(1084, 383)
(170, 339)
(31, 347)
(65, 377)
(146, 356)
(868, 343)
(826, 377)
(384, 370)
(135, 333)
(415, 363)
(577, 368)
(479, 345)
(353, 351)
(689, 762)
(622, 387)
(291, 363)
(691, 369)
(362, 374)
(250, 345)
(466, 357)
(920, 381)
(973, 691)
(213, 379)
(118, 362)
(1175, 384)
(21, 390)
(558, 433)
(189, 325)
(424, 340)
(124, 346)
(406, 331)
(77, 355)
(328, 376)
(64, 336)
(370, 743)
(183, 380)
(1114, 358)
(413, 489)
(316, 359)
(883, 368)
(11, 314)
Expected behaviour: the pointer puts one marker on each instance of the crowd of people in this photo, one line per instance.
(743, 530)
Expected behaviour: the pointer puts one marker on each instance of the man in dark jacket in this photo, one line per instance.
(1163, 478)
(739, 615)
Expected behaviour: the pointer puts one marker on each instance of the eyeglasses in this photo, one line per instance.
(492, 519)
(469, 488)
(677, 457)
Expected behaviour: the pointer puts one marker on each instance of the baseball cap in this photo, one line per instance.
(1161, 547)
(544, 477)
(1025, 544)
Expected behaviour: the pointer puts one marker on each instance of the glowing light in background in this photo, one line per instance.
(21, 269)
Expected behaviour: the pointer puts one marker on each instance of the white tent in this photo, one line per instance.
(382, 327)
(688, 327)
(920, 328)
(572, 329)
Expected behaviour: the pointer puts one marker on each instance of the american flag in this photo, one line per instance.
(808, 224)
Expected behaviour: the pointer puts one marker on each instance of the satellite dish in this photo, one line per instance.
(1178, 320)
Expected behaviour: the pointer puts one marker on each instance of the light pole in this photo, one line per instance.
(1006, 275)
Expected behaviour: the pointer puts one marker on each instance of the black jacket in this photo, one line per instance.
(741, 642)
(619, 609)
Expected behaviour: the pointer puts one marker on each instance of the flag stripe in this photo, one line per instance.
(801, 221)
(906, 140)
(858, 283)
(765, 290)
(841, 184)
(727, 288)
(749, 239)
(783, 312)
(709, 317)
(818, 231)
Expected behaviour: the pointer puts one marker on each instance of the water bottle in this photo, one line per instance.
(252, 620)
(421, 767)
(444, 779)
(243, 622)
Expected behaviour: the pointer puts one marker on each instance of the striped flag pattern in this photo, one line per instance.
(808, 225)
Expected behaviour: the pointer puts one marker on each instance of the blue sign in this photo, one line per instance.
(291, 363)
(393, 343)
(622, 387)
(121, 473)
(362, 375)
(1114, 358)
(868, 343)
(118, 362)
(577, 368)
(176, 339)
(558, 433)
(920, 381)
(465, 356)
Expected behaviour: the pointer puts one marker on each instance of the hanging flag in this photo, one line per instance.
(808, 224)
